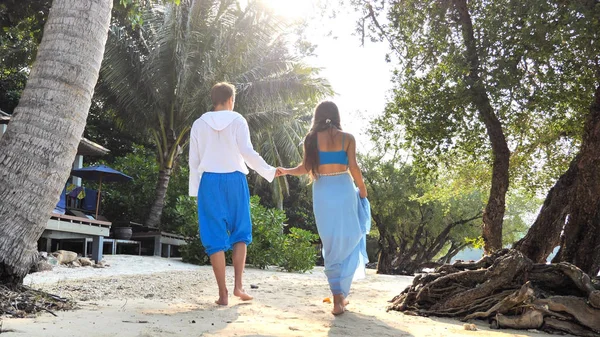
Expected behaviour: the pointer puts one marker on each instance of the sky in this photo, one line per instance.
(358, 74)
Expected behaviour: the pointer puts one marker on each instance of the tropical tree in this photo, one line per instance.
(160, 77)
(538, 85)
(37, 151)
(426, 221)
(449, 77)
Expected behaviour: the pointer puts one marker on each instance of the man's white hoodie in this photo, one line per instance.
(220, 143)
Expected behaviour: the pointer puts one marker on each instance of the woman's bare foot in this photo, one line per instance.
(339, 304)
(242, 294)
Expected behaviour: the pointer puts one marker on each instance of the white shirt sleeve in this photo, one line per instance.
(251, 157)
(194, 163)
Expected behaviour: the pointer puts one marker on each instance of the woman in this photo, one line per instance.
(342, 214)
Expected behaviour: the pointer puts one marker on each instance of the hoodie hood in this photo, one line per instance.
(219, 120)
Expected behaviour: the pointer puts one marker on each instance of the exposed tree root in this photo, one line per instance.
(510, 291)
(24, 301)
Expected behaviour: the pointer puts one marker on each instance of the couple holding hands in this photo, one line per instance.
(221, 152)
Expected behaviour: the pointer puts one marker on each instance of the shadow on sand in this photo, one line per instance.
(368, 325)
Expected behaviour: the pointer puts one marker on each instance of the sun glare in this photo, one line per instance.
(291, 9)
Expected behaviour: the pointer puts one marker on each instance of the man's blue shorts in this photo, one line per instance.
(224, 211)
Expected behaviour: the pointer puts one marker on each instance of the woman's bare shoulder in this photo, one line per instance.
(349, 136)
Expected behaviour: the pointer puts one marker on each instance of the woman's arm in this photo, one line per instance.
(354, 169)
(295, 171)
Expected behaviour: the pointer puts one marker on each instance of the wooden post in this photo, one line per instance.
(49, 245)
(97, 246)
(157, 246)
(99, 194)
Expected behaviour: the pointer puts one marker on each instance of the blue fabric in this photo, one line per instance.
(224, 211)
(333, 157)
(75, 192)
(100, 172)
(62, 203)
(90, 199)
(343, 219)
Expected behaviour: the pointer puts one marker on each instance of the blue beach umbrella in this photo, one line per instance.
(100, 173)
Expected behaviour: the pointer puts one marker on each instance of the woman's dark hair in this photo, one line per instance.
(326, 117)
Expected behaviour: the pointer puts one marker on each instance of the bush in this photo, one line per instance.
(299, 254)
(293, 252)
(267, 235)
(193, 251)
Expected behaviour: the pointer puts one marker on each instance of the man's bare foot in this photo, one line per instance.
(223, 299)
(223, 302)
(242, 295)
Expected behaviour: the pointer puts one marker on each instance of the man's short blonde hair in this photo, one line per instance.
(221, 92)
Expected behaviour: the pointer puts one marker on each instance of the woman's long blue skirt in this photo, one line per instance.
(343, 220)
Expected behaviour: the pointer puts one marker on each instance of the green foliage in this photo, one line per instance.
(297, 205)
(159, 76)
(130, 201)
(267, 235)
(193, 252)
(179, 214)
(430, 218)
(476, 243)
(21, 27)
(538, 62)
(298, 253)
(271, 247)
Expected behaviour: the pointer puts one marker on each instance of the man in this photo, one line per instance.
(220, 148)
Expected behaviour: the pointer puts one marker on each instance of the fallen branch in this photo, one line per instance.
(25, 301)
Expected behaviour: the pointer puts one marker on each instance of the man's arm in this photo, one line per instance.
(194, 163)
(251, 157)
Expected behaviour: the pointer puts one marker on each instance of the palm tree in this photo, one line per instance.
(161, 78)
(37, 151)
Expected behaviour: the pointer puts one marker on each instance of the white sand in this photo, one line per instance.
(146, 296)
(119, 265)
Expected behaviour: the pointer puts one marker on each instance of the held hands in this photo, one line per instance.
(280, 172)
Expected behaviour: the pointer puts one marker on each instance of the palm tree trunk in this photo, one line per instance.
(493, 215)
(37, 151)
(162, 185)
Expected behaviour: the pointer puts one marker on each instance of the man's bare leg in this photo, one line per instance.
(217, 260)
(239, 262)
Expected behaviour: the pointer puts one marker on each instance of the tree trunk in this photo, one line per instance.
(580, 244)
(37, 151)
(387, 248)
(154, 217)
(494, 211)
(544, 235)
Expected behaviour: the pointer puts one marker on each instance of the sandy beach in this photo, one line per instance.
(149, 296)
